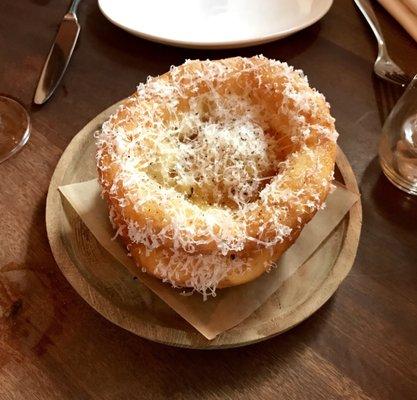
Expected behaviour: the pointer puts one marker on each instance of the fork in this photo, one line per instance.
(384, 67)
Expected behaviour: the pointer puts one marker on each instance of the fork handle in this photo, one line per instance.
(369, 14)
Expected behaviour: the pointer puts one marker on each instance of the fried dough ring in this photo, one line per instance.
(155, 213)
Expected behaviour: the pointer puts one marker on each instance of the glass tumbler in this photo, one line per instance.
(398, 146)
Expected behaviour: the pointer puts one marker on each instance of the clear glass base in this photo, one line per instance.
(398, 145)
(14, 127)
(398, 180)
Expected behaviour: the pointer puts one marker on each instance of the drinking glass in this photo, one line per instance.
(398, 146)
(14, 127)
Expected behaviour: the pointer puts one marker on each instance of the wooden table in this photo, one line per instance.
(361, 344)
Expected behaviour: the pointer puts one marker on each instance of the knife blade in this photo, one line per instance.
(58, 58)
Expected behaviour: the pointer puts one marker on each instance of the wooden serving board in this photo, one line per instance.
(111, 290)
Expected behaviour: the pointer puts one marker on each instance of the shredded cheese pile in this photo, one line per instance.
(206, 155)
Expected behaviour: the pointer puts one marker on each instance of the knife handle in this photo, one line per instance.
(73, 7)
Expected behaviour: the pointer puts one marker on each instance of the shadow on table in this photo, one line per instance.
(388, 201)
(386, 96)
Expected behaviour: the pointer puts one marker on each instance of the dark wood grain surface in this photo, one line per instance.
(361, 344)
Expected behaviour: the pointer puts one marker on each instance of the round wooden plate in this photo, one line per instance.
(110, 289)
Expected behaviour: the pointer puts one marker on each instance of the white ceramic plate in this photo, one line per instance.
(213, 23)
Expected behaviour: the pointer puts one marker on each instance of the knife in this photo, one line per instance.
(59, 55)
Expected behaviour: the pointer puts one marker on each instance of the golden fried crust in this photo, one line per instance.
(297, 119)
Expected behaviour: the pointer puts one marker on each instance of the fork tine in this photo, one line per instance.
(406, 79)
(388, 70)
(388, 77)
(402, 79)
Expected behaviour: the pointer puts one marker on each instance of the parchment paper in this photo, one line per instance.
(232, 305)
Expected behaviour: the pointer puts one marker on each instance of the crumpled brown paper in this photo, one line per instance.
(232, 305)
